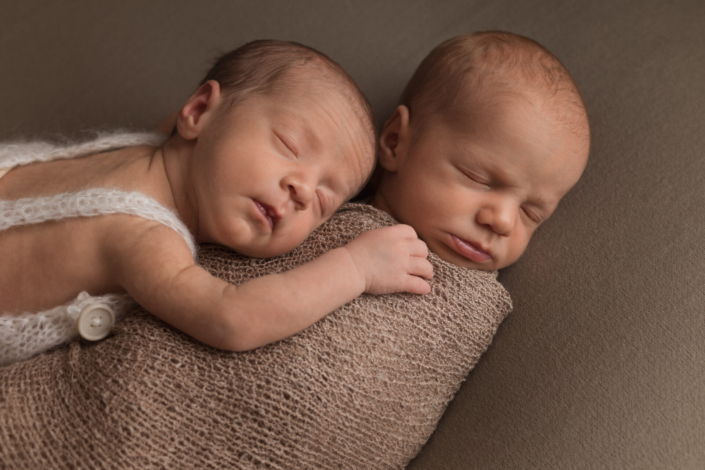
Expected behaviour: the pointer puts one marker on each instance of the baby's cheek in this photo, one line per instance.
(516, 250)
(288, 241)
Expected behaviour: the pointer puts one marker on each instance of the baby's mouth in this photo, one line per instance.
(472, 251)
(268, 213)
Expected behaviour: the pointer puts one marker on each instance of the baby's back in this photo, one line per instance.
(47, 264)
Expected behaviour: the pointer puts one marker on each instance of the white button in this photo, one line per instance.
(95, 322)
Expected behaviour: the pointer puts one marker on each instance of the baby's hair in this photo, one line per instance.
(468, 70)
(265, 67)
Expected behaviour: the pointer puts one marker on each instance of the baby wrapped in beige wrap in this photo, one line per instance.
(362, 388)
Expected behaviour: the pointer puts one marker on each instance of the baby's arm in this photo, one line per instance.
(160, 274)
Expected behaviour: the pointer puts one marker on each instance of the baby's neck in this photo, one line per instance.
(379, 201)
(175, 157)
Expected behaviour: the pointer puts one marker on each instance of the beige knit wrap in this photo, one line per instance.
(361, 389)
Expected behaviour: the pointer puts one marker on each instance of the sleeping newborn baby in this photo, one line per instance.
(491, 132)
(274, 140)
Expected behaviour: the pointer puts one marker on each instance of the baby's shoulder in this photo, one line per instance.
(122, 232)
(125, 238)
(120, 170)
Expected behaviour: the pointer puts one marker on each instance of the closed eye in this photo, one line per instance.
(475, 179)
(323, 202)
(531, 215)
(287, 143)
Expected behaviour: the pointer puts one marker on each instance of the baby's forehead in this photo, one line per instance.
(497, 106)
(478, 71)
(339, 94)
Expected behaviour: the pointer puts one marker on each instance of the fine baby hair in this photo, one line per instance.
(264, 67)
(472, 71)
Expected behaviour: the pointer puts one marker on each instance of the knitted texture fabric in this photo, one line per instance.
(89, 203)
(363, 388)
(26, 334)
(13, 154)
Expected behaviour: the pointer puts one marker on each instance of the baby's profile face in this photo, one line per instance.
(274, 167)
(475, 193)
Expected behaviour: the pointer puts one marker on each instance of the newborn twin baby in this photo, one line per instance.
(490, 133)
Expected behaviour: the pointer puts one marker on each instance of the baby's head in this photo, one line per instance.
(490, 134)
(277, 137)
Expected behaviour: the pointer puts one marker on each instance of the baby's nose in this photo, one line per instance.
(301, 189)
(500, 218)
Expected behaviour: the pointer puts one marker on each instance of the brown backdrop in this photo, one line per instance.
(602, 363)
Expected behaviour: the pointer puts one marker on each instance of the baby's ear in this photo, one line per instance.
(394, 140)
(200, 106)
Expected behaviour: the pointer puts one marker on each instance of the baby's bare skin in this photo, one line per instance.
(300, 156)
(48, 264)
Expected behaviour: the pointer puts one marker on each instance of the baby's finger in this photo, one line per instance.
(420, 267)
(405, 231)
(418, 248)
(416, 285)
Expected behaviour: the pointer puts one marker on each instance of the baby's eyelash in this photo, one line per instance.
(323, 202)
(288, 144)
(478, 180)
(475, 179)
(531, 215)
(471, 176)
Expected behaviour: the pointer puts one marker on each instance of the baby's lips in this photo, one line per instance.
(272, 215)
(471, 250)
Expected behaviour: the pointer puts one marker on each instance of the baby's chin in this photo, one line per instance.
(451, 256)
(466, 263)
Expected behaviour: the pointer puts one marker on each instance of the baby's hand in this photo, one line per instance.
(392, 259)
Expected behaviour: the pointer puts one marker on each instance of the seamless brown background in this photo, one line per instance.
(602, 362)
